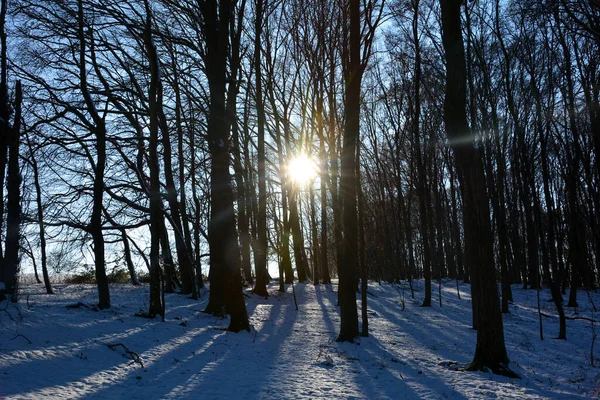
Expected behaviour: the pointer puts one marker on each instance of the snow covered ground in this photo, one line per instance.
(50, 351)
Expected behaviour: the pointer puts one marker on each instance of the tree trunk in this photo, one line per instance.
(99, 130)
(490, 349)
(364, 270)
(324, 245)
(40, 216)
(297, 237)
(128, 260)
(13, 204)
(226, 284)
(261, 248)
(349, 267)
(156, 219)
(196, 280)
(188, 285)
(422, 189)
(4, 127)
(314, 238)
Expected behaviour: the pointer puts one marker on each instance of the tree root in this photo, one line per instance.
(498, 369)
(82, 305)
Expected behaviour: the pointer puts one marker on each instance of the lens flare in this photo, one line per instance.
(301, 170)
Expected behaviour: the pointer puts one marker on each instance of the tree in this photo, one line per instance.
(99, 130)
(40, 213)
(10, 261)
(226, 285)
(156, 305)
(262, 279)
(9, 159)
(354, 67)
(490, 351)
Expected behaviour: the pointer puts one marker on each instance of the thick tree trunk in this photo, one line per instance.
(226, 282)
(96, 221)
(349, 267)
(490, 349)
(156, 305)
(13, 204)
(4, 127)
(99, 130)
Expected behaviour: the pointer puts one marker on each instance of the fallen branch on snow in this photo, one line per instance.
(134, 356)
(572, 318)
(24, 337)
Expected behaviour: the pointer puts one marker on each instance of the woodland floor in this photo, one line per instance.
(50, 351)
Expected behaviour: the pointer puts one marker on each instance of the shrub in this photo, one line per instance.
(144, 277)
(119, 275)
(87, 276)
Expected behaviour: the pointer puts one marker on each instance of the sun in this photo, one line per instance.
(301, 170)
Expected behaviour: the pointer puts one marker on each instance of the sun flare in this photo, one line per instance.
(301, 170)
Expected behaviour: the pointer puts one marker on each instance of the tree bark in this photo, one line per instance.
(99, 131)
(13, 204)
(261, 248)
(490, 349)
(40, 216)
(349, 267)
(226, 284)
(156, 219)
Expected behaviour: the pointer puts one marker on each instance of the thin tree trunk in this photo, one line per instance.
(261, 248)
(314, 238)
(128, 260)
(40, 216)
(422, 189)
(364, 270)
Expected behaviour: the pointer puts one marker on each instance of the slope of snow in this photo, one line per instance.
(50, 351)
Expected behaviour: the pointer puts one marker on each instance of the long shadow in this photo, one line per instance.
(327, 309)
(398, 378)
(454, 328)
(93, 355)
(193, 360)
(418, 326)
(200, 369)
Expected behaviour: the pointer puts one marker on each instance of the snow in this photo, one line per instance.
(50, 351)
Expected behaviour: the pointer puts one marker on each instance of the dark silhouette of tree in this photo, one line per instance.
(9, 165)
(226, 285)
(490, 351)
(355, 61)
(260, 287)
(156, 305)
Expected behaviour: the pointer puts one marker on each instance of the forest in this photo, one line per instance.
(217, 146)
